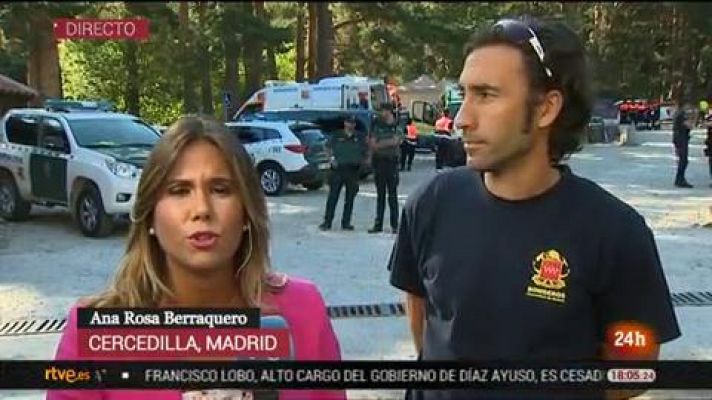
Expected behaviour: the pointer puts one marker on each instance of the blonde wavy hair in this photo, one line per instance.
(141, 277)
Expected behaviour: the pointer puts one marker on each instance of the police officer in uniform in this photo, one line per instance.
(384, 142)
(349, 150)
(681, 127)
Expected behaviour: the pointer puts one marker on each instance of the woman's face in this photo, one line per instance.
(199, 216)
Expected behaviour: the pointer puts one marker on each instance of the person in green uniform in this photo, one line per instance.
(384, 143)
(349, 150)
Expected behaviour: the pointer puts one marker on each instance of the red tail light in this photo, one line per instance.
(296, 148)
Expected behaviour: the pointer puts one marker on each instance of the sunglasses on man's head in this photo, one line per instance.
(519, 32)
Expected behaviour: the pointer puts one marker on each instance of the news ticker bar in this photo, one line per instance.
(251, 374)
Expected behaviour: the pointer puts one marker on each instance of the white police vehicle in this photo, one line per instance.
(285, 152)
(87, 161)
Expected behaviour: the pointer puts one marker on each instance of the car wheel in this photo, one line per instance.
(93, 221)
(272, 179)
(314, 185)
(12, 206)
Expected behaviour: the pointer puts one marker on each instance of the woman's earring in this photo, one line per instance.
(248, 229)
(151, 231)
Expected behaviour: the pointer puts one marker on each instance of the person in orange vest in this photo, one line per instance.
(444, 123)
(443, 127)
(409, 144)
(625, 112)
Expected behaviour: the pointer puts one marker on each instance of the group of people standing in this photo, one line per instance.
(639, 112)
(351, 150)
(390, 149)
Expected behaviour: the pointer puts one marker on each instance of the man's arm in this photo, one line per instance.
(609, 352)
(415, 308)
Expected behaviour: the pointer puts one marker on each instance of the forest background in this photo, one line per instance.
(198, 51)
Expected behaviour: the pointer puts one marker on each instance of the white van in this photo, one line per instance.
(334, 93)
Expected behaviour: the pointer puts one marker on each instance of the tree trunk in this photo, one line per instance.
(132, 93)
(272, 72)
(683, 49)
(325, 41)
(313, 38)
(299, 70)
(270, 59)
(206, 87)
(253, 53)
(189, 97)
(43, 72)
(232, 53)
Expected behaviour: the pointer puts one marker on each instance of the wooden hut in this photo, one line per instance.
(14, 94)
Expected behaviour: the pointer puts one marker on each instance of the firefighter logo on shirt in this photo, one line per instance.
(549, 278)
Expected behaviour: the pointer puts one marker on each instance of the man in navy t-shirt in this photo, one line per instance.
(515, 257)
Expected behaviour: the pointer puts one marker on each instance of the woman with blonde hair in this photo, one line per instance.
(200, 238)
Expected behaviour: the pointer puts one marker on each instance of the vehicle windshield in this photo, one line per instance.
(104, 132)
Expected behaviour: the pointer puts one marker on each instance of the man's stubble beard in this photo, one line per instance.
(504, 161)
(518, 153)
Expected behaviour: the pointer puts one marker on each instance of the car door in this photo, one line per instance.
(250, 137)
(235, 131)
(271, 142)
(48, 162)
(22, 131)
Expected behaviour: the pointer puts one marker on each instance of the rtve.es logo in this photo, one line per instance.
(69, 375)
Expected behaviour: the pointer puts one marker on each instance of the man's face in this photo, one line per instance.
(492, 115)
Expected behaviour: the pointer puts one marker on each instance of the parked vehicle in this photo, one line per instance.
(285, 152)
(345, 93)
(595, 131)
(428, 112)
(327, 120)
(87, 161)
(605, 112)
(78, 105)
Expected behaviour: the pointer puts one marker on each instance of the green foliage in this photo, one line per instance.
(95, 69)
(637, 49)
(12, 64)
(285, 64)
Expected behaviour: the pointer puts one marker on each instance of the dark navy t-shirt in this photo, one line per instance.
(534, 279)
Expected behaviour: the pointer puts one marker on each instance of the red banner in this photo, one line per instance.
(102, 29)
(171, 344)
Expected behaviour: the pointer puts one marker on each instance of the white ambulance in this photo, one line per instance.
(334, 93)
